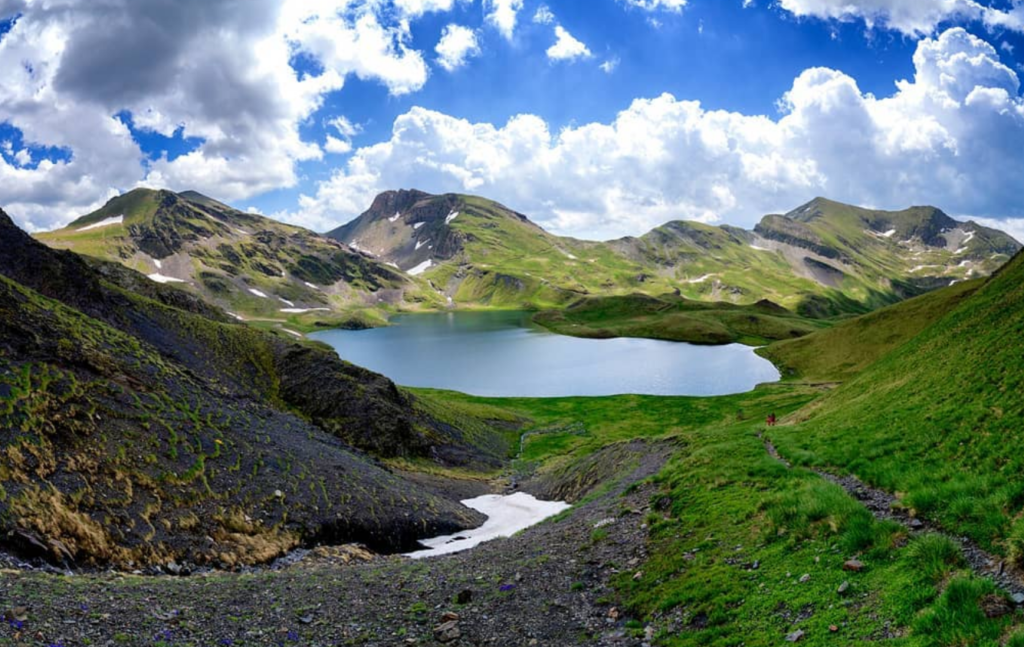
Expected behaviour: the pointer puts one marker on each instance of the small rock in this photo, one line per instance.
(279, 494)
(173, 568)
(447, 632)
(843, 588)
(806, 577)
(637, 576)
(604, 522)
(613, 613)
(465, 596)
(450, 616)
(916, 524)
(833, 628)
(796, 636)
(533, 642)
(1018, 598)
(853, 565)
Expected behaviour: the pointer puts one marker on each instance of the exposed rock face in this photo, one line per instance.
(143, 427)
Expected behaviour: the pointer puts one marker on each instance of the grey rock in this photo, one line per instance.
(796, 636)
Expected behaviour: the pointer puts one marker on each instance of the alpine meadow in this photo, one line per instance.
(532, 323)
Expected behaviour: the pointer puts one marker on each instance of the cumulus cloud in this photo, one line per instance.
(914, 17)
(951, 136)
(457, 45)
(503, 14)
(567, 47)
(655, 5)
(215, 71)
(543, 15)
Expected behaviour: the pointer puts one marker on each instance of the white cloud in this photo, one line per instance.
(543, 16)
(610, 65)
(951, 137)
(337, 146)
(566, 47)
(915, 17)
(502, 14)
(456, 46)
(217, 70)
(655, 5)
(416, 8)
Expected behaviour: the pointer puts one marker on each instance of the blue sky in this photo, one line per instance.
(796, 98)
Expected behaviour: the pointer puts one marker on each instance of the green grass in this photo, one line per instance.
(677, 319)
(937, 420)
(846, 349)
(722, 504)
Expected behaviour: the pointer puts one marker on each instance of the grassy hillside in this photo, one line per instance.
(256, 268)
(677, 319)
(821, 260)
(938, 419)
(844, 350)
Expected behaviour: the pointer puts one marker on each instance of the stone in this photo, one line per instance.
(796, 636)
(447, 632)
(806, 577)
(833, 628)
(637, 576)
(1018, 598)
(843, 588)
(613, 613)
(465, 596)
(449, 616)
(853, 565)
(916, 524)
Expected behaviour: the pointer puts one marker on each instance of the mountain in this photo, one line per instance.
(824, 258)
(252, 266)
(140, 425)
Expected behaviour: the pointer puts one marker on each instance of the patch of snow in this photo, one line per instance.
(103, 223)
(354, 245)
(421, 268)
(922, 267)
(418, 225)
(158, 264)
(394, 265)
(419, 244)
(506, 515)
(286, 302)
(299, 311)
(700, 279)
(760, 249)
(887, 234)
(395, 217)
(311, 286)
(160, 278)
(243, 232)
(235, 316)
(450, 217)
(258, 293)
(430, 247)
(292, 332)
(964, 263)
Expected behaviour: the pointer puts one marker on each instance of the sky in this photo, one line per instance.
(596, 118)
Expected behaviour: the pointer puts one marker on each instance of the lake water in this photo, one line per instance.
(505, 354)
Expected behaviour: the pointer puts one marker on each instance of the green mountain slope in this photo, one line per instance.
(140, 427)
(938, 420)
(822, 259)
(254, 267)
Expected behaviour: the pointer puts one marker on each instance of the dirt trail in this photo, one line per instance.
(882, 505)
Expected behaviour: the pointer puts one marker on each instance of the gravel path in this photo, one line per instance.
(883, 505)
(549, 585)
